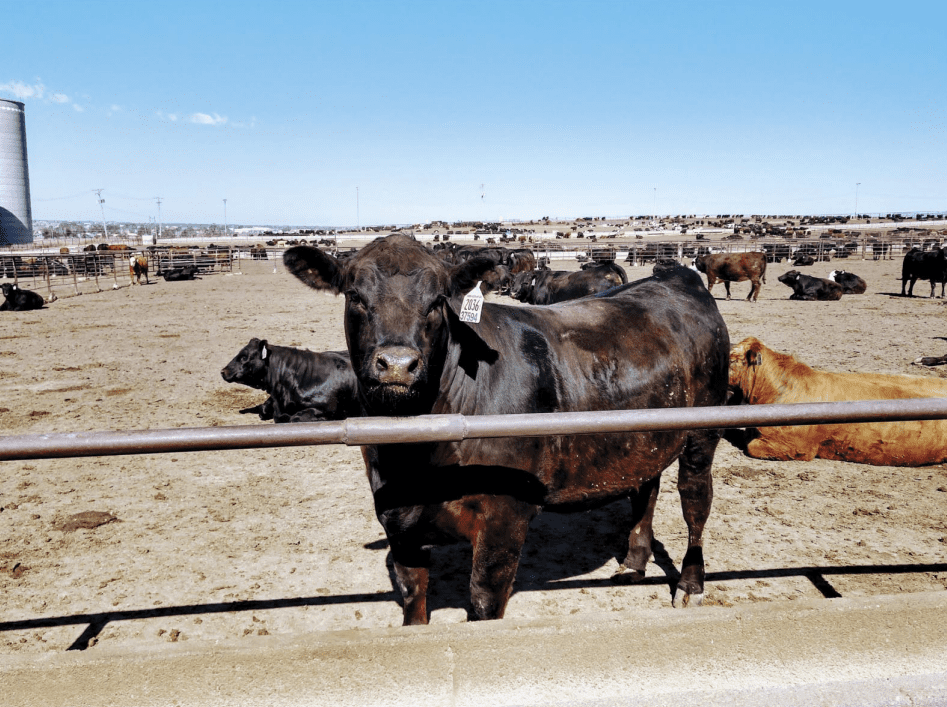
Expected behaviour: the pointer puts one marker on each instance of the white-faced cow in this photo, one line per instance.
(654, 343)
(138, 266)
(850, 282)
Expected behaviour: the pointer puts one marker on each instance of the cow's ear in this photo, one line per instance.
(464, 276)
(754, 355)
(310, 265)
(473, 348)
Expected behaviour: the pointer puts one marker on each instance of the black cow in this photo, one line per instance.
(850, 282)
(303, 385)
(551, 286)
(802, 259)
(924, 265)
(654, 343)
(16, 299)
(806, 287)
(185, 272)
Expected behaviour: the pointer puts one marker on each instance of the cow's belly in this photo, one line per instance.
(581, 470)
(909, 443)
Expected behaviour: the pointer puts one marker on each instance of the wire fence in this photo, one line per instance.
(68, 274)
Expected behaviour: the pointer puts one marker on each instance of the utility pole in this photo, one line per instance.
(358, 218)
(226, 234)
(158, 199)
(98, 194)
(857, 184)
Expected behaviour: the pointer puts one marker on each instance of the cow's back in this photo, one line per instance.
(654, 343)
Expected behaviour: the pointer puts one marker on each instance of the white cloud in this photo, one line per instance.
(24, 91)
(78, 108)
(170, 117)
(115, 109)
(205, 119)
(21, 90)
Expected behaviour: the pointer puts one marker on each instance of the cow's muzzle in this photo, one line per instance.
(396, 365)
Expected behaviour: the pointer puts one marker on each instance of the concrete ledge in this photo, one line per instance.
(868, 651)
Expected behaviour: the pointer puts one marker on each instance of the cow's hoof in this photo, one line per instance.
(627, 576)
(686, 600)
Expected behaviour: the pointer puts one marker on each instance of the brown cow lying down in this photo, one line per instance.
(761, 376)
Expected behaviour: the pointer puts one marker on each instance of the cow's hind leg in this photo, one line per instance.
(695, 485)
(642, 531)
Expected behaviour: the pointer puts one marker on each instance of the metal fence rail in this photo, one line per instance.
(431, 428)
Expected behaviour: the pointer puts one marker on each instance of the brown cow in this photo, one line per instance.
(733, 267)
(138, 266)
(762, 376)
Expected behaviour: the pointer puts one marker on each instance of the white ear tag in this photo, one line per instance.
(472, 306)
(263, 355)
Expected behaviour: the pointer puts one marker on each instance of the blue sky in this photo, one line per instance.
(337, 113)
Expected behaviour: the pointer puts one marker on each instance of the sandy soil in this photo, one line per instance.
(230, 544)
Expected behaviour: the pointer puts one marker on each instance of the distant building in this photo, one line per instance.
(16, 218)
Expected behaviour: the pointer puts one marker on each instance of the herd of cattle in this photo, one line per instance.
(411, 353)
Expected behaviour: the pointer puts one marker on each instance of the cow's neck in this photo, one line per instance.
(778, 377)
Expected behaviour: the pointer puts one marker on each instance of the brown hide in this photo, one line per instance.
(765, 376)
(734, 267)
(138, 266)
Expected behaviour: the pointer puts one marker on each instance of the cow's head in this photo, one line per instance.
(400, 315)
(745, 359)
(789, 277)
(248, 366)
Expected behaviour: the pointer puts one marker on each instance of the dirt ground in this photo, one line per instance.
(230, 544)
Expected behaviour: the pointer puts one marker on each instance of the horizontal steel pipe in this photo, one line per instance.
(432, 428)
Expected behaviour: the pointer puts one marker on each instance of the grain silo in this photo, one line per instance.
(16, 218)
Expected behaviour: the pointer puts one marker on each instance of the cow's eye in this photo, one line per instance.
(353, 297)
(435, 304)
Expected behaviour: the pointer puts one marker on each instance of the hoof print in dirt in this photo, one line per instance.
(87, 519)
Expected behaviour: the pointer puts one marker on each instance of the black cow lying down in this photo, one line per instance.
(655, 343)
(551, 286)
(185, 272)
(304, 386)
(850, 282)
(16, 299)
(806, 287)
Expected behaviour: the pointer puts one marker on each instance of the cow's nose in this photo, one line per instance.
(397, 365)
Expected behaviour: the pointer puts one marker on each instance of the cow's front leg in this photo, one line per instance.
(411, 573)
(412, 581)
(499, 531)
(726, 285)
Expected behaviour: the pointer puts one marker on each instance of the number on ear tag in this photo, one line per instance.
(472, 306)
